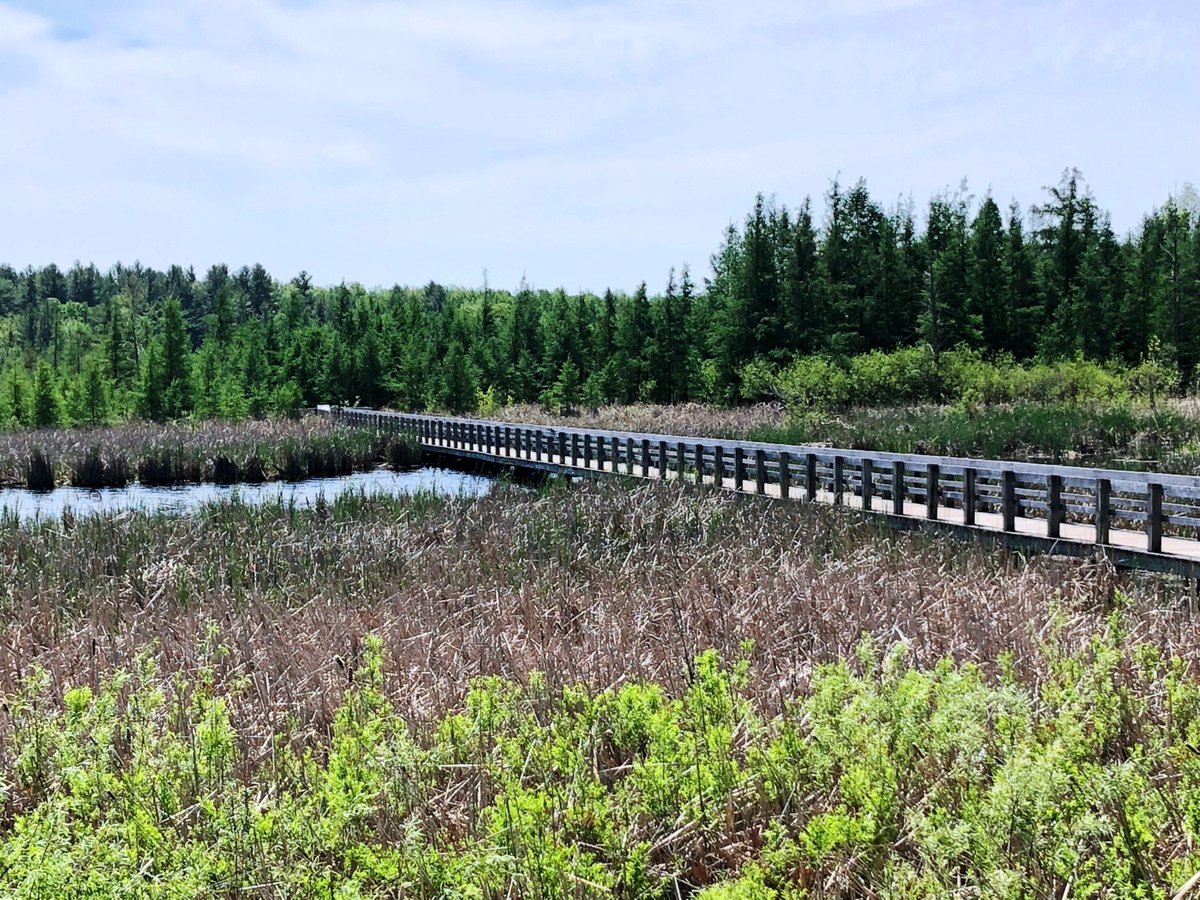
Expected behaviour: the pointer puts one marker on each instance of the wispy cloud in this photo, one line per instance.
(405, 141)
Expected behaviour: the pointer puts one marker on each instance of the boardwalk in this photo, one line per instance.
(1136, 519)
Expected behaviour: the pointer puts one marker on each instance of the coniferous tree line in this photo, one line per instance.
(850, 277)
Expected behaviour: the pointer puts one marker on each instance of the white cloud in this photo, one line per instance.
(406, 141)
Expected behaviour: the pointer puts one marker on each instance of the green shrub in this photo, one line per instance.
(882, 779)
(813, 382)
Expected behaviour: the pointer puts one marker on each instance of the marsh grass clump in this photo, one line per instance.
(166, 455)
(39, 472)
(225, 470)
(94, 469)
(402, 453)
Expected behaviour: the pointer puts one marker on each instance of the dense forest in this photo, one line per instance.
(788, 284)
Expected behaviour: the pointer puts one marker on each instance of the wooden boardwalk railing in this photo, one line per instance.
(1137, 519)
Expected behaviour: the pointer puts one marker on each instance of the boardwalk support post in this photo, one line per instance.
(1103, 509)
(1054, 506)
(1008, 499)
(1154, 517)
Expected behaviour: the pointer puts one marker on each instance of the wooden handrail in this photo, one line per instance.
(1024, 501)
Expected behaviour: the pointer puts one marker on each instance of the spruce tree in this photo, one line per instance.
(47, 402)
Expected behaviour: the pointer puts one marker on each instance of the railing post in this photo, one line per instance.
(785, 474)
(1103, 509)
(739, 467)
(528, 444)
(662, 460)
(839, 477)
(680, 459)
(1008, 499)
(898, 488)
(868, 482)
(699, 460)
(629, 456)
(574, 449)
(760, 471)
(1054, 506)
(719, 466)
(810, 477)
(616, 454)
(562, 448)
(970, 494)
(645, 457)
(932, 474)
(587, 451)
(1154, 517)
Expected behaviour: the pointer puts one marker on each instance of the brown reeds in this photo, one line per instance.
(690, 419)
(161, 455)
(592, 584)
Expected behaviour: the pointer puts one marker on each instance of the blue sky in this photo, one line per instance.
(581, 144)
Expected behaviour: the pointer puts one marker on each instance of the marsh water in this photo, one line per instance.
(31, 505)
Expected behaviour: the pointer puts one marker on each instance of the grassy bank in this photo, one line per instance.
(594, 691)
(219, 452)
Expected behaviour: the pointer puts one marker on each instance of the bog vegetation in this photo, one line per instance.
(582, 692)
(222, 453)
(858, 304)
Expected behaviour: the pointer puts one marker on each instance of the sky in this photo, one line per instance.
(583, 144)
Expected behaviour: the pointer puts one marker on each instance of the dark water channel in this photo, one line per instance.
(32, 505)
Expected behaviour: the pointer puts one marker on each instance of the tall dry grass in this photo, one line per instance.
(185, 452)
(690, 419)
(592, 584)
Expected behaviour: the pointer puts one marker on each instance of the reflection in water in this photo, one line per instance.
(30, 505)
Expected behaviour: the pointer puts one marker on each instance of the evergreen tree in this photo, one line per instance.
(47, 402)
(459, 386)
(987, 284)
(176, 361)
(1022, 300)
(94, 392)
